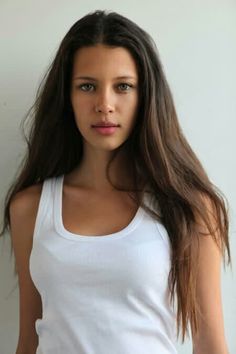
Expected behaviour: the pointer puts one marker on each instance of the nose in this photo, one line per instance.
(104, 102)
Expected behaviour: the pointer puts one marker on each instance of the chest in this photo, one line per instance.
(89, 214)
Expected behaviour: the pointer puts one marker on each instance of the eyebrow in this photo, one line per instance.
(93, 79)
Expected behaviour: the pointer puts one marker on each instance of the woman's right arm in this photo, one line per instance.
(23, 209)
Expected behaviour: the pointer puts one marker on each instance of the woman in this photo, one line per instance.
(112, 216)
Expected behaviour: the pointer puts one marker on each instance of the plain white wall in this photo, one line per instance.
(196, 42)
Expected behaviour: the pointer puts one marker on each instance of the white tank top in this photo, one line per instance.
(101, 294)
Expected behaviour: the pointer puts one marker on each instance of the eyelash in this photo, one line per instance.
(123, 83)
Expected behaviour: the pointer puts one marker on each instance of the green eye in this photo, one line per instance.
(125, 87)
(86, 87)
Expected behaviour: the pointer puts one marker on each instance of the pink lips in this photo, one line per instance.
(105, 130)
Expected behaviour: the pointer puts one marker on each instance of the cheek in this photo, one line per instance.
(131, 108)
(128, 104)
(81, 103)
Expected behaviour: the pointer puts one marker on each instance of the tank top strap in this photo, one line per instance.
(57, 199)
(45, 207)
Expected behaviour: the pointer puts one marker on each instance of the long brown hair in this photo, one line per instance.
(159, 154)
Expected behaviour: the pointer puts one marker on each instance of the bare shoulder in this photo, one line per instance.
(23, 211)
(26, 200)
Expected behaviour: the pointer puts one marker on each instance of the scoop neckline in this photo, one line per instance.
(60, 228)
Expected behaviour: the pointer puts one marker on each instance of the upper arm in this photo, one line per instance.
(23, 209)
(211, 336)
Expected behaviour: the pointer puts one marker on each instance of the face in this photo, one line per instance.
(104, 89)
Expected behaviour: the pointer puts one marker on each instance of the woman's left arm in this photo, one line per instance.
(211, 337)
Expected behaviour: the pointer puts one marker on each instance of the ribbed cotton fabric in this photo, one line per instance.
(101, 294)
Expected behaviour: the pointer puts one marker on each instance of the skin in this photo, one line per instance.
(108, 98)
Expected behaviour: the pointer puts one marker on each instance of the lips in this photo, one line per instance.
(105, 130)
(104, 125)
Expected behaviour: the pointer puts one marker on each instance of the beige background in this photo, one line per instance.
(196, 41)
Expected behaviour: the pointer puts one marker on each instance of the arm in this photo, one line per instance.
(211, 336)
(22, 216)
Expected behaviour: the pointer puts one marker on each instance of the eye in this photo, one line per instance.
(86, 87)
(124, 86)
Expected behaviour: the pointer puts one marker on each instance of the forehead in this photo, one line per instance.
(101, 58)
